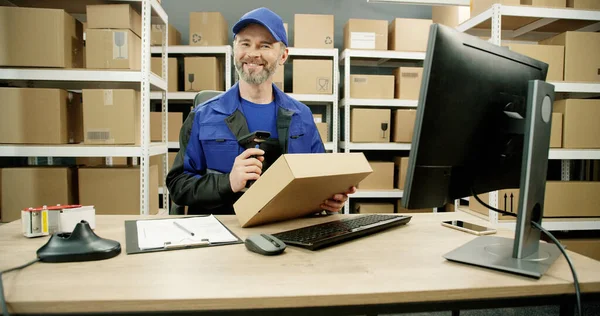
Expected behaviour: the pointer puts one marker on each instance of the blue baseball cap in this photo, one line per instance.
(266, 18)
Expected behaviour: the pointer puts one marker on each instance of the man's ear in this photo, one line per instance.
(284, 56)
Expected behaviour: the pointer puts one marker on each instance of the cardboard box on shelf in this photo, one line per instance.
(278, 77)
(158, 160)
(203, 73)
(114, 16)
(409, 35)
(372, 86)
(33, 37)
(366, 34)
(33, 187)
(553, 55)
(116, 190)
(208, 29)
(580, 122)
(175, 123)
(400, 169)
(156, 35)
(448, 15)
(382, 177)
(40, 116)
(297, 184)
(323, 130)
(584, 4)
(402, 210)
(403, 125)
(156, 67)
(582, 63)
(556, 130)
(113, 49)
(508, 200)
(370, 125)
(111, 116)
(408, 82)
(589, 247)
(311, 76)
(562, 199)
(373, 208)
(572, 199)
(478, 6)
(545, 3)
(313, 30)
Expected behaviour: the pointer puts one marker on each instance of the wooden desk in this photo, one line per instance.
(400, 269)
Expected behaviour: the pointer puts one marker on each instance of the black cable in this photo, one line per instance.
(558, 244)
(489, 207)
(2, 299)
(562, 249)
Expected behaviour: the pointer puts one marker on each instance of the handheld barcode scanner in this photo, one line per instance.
(253, 140)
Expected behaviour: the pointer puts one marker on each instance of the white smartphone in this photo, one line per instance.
(469, 227)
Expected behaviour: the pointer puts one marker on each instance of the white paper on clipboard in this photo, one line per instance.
(163, 233)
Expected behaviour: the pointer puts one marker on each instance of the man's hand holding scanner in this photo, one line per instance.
(246, 167)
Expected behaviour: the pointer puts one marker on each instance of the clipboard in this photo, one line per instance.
(132, 242)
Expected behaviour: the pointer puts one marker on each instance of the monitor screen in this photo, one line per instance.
(467, 133)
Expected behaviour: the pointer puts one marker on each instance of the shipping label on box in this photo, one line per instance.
(409, 35)
(203, 73)
(208, 29)
(312, 76)
(366, 34)
(113, 49)
(297, 184)
(313, 31)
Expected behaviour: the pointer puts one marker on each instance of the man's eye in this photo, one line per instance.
(265, 46)
(244, 44)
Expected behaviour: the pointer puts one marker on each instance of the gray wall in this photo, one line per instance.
(232, 10)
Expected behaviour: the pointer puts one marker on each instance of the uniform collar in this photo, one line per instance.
(230, 101)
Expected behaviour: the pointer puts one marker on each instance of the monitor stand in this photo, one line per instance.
(524, 254)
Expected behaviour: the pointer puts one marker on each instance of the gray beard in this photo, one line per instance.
(255, 78)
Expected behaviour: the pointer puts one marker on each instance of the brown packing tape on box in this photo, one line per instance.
(297, 184)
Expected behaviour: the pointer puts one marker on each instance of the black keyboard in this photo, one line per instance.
(326, 234)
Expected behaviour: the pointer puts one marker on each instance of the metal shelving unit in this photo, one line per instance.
(373, 58)
(528, 23)
(74, 79)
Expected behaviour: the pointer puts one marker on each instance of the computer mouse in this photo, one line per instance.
(265, 244)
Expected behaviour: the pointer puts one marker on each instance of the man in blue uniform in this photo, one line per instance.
(211, 168)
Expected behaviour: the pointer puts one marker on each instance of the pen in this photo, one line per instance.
(183, 228)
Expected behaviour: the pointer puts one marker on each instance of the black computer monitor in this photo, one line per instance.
(483, 124)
